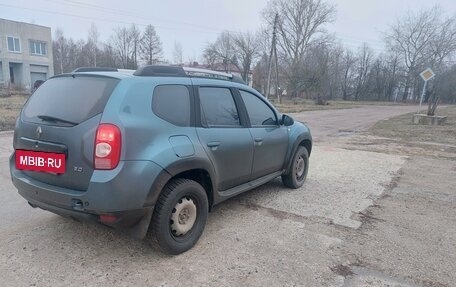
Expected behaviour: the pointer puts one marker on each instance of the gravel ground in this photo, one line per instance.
(362, 219)
(410, 233)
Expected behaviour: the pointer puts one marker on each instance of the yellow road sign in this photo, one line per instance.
(427, 74)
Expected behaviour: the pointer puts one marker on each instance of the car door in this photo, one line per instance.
(225, 136)
(270, 138)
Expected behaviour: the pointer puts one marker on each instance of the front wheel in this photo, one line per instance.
(180, 216)
(298, 171)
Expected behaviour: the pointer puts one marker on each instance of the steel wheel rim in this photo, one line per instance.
(300, 168)
(183, 216)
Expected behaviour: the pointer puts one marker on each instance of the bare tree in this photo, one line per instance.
(300, 23)
(445, 84)
(107, 57)
(444, 42)
(364, 64)
(261, 66)
(376, 80)
(315, 74)
(60, 51)
(68, 54)
(392, 79)
(335, 71)
(92, 44)
(210, 55)
(411, 37)
(260, 74)
(178, 52)
(349, 62)
(122, 46)
(135, 38)
(221, 51)
(151, 46)
(247, 47)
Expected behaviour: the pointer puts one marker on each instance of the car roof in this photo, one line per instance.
(117, 75)
(156, 71)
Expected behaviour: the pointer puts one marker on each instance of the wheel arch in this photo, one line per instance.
(300, 141)
(202, 177)
(195, 169)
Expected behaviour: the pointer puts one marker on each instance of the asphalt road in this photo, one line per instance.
(271, 236)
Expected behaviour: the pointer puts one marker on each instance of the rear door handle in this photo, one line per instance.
(213, 144)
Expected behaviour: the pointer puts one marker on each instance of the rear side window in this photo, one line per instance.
(73, 99)
(218, 107)
(172, 103)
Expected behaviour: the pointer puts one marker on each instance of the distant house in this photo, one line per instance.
(25, 54)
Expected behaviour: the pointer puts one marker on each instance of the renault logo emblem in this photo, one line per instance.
(38, 132)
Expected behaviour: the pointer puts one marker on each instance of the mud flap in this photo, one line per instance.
(139, 230)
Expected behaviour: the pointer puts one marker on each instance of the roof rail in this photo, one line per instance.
(206, 73)
(94, 69)
(126, 71)
(177, 71)
(163, 71)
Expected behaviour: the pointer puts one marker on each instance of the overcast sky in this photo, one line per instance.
(195, 23)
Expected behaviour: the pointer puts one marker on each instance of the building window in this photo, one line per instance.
(14, 44)
(37, 48)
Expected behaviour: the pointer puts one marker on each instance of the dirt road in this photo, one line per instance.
(333, 123)
(346, 227)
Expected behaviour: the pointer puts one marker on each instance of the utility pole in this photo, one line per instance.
(277, 74)
(273, 53)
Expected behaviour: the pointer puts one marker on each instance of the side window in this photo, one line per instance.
(260, 113)
(172, 103)
(218, 107)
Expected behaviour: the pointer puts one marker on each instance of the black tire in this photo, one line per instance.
(295, 179)
(173, 193)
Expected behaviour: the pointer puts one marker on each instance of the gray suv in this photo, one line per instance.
(156, 149)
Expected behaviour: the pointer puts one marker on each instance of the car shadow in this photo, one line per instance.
(57, 234)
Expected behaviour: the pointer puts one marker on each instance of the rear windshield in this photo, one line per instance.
(73, 99)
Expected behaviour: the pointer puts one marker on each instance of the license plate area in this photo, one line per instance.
(40, 161)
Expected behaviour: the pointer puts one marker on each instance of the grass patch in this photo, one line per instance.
(9, 110)
(401, 128)
(309, 105)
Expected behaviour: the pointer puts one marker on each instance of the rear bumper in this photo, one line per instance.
(121, 192)
(123, 219)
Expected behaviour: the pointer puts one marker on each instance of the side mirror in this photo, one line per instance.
(287, 120)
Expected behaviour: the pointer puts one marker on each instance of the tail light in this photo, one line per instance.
(107, 147)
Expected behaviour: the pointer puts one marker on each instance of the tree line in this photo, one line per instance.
(312, 63)
(126, 48)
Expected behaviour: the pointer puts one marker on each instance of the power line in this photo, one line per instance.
(348, 41)
(200, 30)
(130, 13)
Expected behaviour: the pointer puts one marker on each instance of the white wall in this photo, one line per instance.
(25, 32)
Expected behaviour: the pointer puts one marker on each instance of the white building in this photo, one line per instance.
(25, 54)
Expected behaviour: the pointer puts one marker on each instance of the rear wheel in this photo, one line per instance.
(180, 215)
(299, 167)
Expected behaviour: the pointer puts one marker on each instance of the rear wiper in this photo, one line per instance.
(55, 119)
